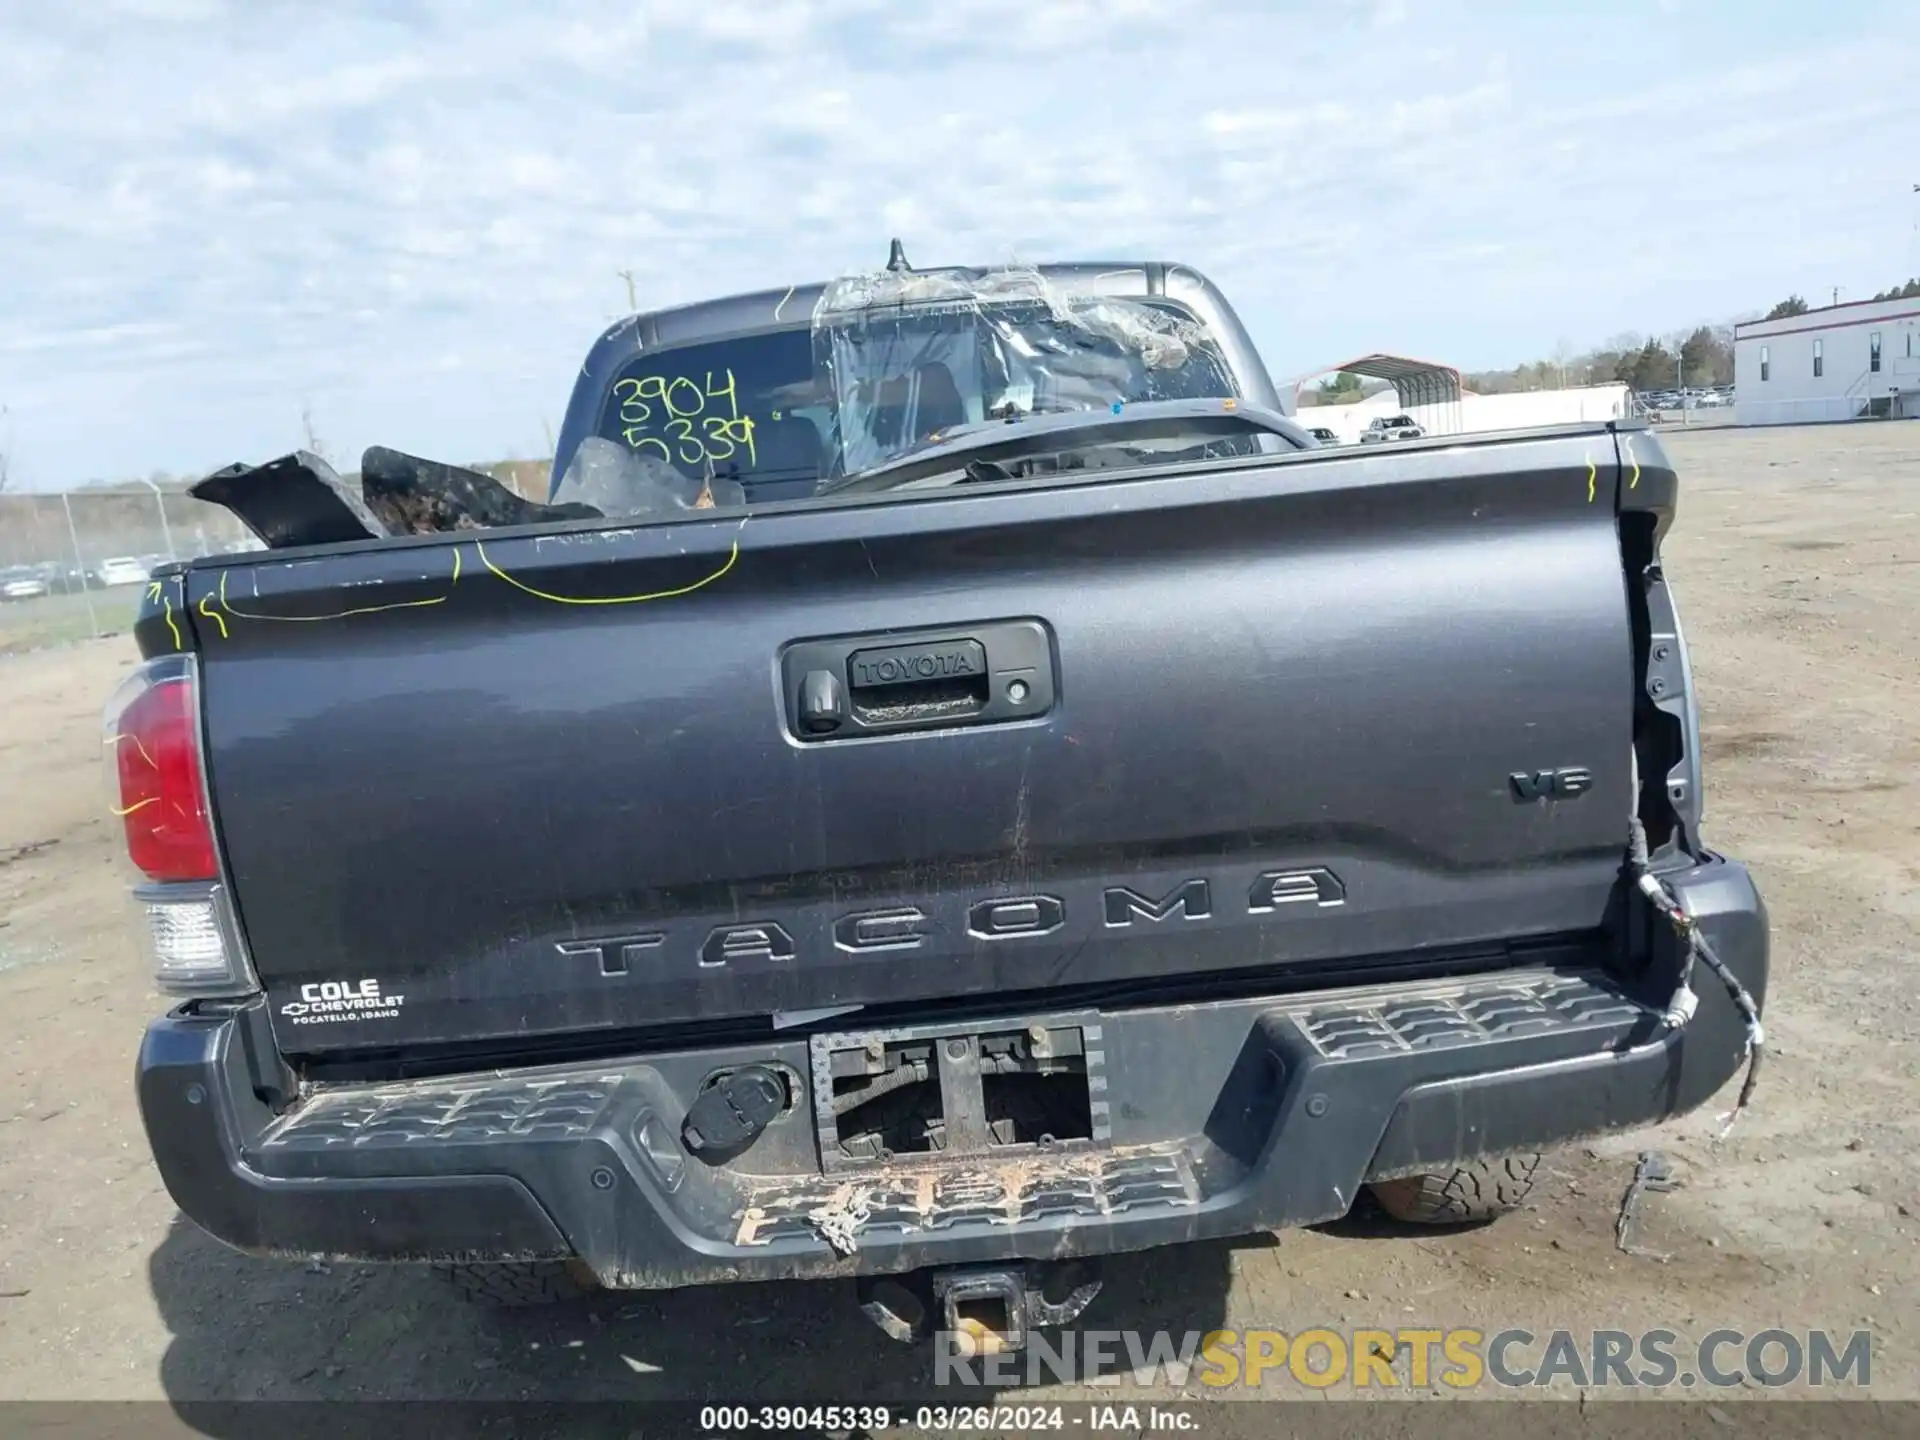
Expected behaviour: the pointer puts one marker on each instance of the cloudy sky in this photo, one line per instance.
(405, 219)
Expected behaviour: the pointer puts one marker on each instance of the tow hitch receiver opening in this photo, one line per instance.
(985, 1319)
(981, 1309)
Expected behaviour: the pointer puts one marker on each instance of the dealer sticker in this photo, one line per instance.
(324, 1001)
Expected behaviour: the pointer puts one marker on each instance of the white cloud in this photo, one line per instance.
(411, 217)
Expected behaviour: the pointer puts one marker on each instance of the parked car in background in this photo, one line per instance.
(1390, 427)
(1322, 434)
(121, 570)
(65, 579)
(21, 582)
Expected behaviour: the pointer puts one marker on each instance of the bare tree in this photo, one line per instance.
(1562, 355)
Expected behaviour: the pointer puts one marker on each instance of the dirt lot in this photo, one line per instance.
(1798, 556)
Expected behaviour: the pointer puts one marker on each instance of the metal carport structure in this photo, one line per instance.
(1429, 392)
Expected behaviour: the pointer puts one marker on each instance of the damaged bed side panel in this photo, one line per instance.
(300, 500)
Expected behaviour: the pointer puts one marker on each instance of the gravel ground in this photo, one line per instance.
(1798, 560)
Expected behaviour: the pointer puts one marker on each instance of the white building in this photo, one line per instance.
(1840, 362)
(1473, 413)
(1431, 394)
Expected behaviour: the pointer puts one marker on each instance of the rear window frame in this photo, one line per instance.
(1219, 341)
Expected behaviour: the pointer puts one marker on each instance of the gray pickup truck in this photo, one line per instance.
(1030, 803)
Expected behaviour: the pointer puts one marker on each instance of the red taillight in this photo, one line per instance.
(159, 788)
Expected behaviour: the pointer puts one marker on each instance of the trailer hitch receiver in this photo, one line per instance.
(984, 1309)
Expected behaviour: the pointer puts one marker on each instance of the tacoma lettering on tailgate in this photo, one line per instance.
(1000, 917)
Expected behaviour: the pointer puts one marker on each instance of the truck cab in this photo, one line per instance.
(783, 388)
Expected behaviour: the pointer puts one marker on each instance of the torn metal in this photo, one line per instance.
(413, 496)
(300, 499)
(911, 356)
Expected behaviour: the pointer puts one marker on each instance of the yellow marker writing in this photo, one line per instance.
(116, 739)
(227, 606)
(1627, 440)
(732, 555)
(157, 591)
(1592, 474)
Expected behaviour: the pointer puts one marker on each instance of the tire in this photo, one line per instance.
(1477, 1190)
(520, 1285)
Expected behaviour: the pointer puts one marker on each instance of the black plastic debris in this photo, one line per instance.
(412, 496)
(298, 499)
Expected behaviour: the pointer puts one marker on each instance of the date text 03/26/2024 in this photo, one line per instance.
(942, 1419)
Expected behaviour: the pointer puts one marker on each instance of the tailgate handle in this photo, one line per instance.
(943, 678)
(980, 674)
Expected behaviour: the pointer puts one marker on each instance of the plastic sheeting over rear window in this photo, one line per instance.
(911, 357)
(888, 362)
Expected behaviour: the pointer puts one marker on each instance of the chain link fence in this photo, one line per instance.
(73, 564)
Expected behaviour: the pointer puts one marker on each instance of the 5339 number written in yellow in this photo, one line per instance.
(684, 420)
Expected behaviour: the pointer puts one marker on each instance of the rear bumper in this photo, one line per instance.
(1225, 1118)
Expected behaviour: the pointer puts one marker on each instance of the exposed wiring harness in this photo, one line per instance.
(1694, 946)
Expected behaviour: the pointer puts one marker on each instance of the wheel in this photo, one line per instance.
(519, 1284)
(1477, 1190)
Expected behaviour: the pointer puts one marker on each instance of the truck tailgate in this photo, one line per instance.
(1330, 707)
